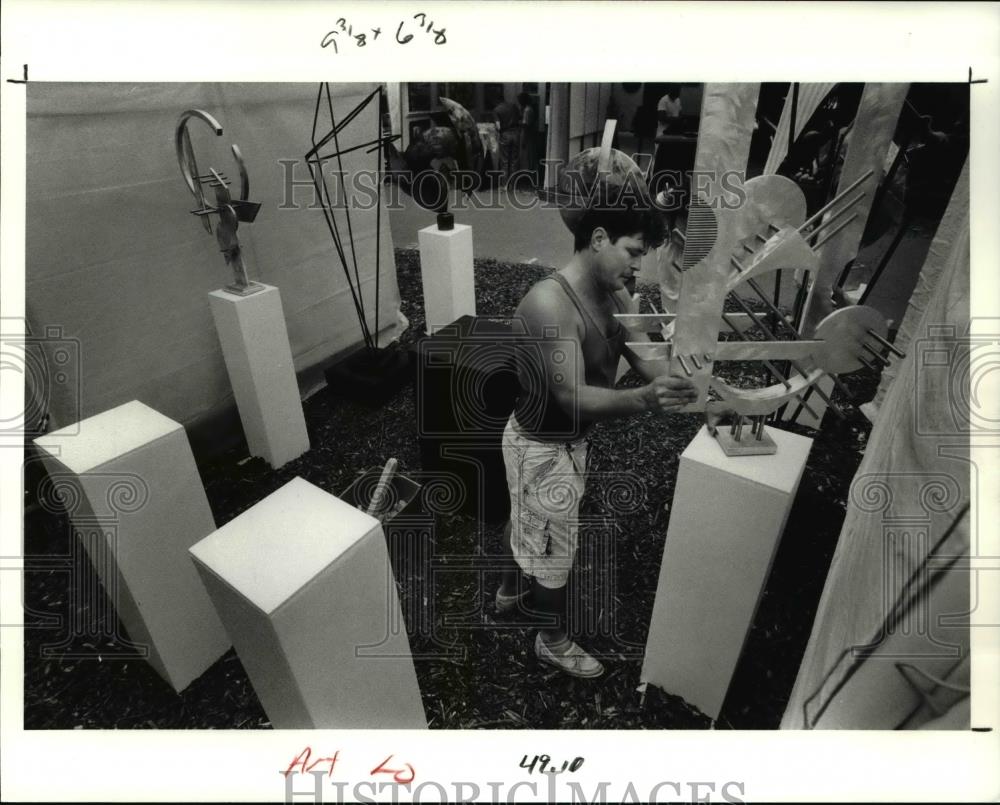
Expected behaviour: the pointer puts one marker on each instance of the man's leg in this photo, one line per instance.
(510, 572)
(550, 602)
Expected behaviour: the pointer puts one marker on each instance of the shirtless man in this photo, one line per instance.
(567, 383)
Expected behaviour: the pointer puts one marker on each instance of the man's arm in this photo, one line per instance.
(648, 369)
(545, 310)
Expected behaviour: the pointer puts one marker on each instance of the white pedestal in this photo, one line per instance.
(259, 361)
(138, 503)
(727, 518)
(303, 583)
(447, 275)
(825, 384)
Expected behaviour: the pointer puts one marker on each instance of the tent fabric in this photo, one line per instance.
(948, 232)
(909, 492)
(810, 97)
(116, 264)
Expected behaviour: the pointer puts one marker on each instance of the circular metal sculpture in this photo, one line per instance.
(230, 211)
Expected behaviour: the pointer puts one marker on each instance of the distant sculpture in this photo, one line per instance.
(230, 211)
(422, 170)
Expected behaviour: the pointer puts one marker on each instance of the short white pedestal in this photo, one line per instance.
(825, 384)
(303, 583)
(138, 503)
(259, 361)
(447, 275)
(725, 524)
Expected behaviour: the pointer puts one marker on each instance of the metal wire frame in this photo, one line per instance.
(316, 163)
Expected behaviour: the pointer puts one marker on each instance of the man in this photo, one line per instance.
(508, 120)
(566, 370)
(668, 110)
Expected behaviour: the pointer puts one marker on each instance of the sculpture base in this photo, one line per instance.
(370, 376)
(726, 521)
(238, 290)
(746, 446)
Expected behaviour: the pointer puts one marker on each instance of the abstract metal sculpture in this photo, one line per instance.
(768, 233)
(373, 373)
(316, 160)
(230, 211)
(728, 246)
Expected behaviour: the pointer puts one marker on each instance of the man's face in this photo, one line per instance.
(618, 261)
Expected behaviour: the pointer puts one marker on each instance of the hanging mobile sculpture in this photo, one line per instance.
(230, 211)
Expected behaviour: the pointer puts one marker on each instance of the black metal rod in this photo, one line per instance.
(343, 184)
(842, 211)
(792, 121)
(331, 223)
(770, 366)
(773, 308)
(336, 127)
(896, 240)
(829, 234)
(887, 344)
(833, 202)
(876, 353)
(378, 209)
(868, 363)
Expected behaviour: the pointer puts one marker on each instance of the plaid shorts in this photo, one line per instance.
(546, 482)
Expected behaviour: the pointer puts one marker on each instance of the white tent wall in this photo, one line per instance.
(115, 260)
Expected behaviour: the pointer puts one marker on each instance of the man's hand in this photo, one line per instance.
(715, 413)
(667, 393)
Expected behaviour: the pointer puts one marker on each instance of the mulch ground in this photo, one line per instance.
(474, 670)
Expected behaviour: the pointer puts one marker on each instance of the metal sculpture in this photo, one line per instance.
(230, 211)
(731, 245)
(317, 160)
(424, 168)
(768, 234)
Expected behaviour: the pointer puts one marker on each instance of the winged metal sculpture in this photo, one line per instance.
(230, 211)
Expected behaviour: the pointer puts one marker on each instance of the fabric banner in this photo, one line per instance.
(870, 137)
(116, 264)
(810, 97)
(947, 234)
(904, 522)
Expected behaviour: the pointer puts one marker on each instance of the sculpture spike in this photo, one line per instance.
(887, 344)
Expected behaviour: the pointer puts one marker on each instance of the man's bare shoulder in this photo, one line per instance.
(546, 305)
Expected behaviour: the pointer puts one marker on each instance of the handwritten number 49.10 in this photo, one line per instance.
(541, 762)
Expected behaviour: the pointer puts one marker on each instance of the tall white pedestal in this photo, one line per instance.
(447, 274)
(259, 361)
(135, 498)
(303, 583)
(725, 524)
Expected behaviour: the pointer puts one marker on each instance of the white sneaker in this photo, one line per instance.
(507, 603)
(575, 661)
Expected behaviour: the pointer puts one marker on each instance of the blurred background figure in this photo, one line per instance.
(668, 110)
(508, 119)
(529, 136)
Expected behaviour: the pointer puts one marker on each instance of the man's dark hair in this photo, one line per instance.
(621, 219)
